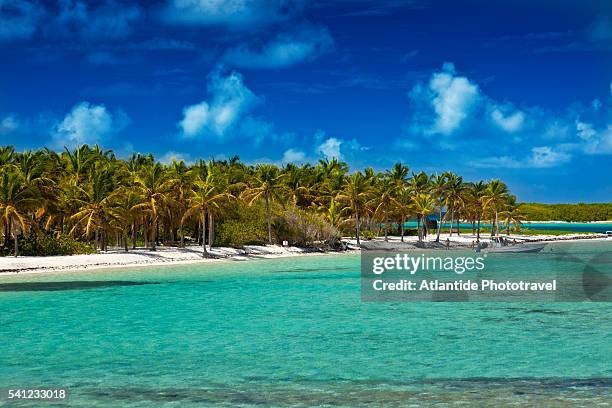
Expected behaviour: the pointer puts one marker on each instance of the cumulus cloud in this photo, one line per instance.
(293, 156)
(511, 122)
(229, 100)
(451, 97)
(171, 156)
(330, 148)
(538, 157)
(18, 19)
(8, 124)
(594, 141)
(88, 124)
(234, 14)
(304, 44)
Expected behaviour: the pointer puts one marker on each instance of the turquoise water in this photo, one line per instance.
(560, 226)
(291, 332)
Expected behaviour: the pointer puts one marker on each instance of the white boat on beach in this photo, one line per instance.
(510, 249)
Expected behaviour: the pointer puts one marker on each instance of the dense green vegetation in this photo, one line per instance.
(86, 198)
(567, 212)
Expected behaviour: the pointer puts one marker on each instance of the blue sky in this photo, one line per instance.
(519, 90)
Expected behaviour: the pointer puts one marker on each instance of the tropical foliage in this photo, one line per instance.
(567, 212)
(91, 196)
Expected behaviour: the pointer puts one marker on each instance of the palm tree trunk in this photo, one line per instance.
(134, 235)
(494, 225)
(145, 233)
(402, 228)
(16, 244)
(419, 225)
(269, 212)
(440, 221)
(182, 235)
(210, 230)
(478, 230)
(386, 227)
(357, 227)
(451, 224)
(125, 241)
(204, 253)
(508, 226)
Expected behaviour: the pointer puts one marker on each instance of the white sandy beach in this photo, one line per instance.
(117, 258)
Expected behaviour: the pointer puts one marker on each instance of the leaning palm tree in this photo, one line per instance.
(494, 198)
(267, 185)
(16, 197)
(355, 193)
(512, 213)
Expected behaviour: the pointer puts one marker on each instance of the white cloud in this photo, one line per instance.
(87, 124)
(451, 97)
(511, 123)
(168, 157)
(594, 141)
(293, 156)
(304, 44)
(330, 148)
(230, 100)
(539, 157)
(235, 14)
(8, 124)
(585, 130)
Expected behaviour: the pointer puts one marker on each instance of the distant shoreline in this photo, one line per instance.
(567, 222)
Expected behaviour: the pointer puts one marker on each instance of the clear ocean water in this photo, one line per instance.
(291, 332)
(599, 228)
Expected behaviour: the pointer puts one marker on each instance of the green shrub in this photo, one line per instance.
(47, 244)
(368, 234)
(237, 233)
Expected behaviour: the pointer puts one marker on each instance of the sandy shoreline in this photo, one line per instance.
(145, 257)
(193, 254)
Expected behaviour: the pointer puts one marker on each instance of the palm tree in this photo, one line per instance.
(423, 204)
(418, 184)
(95, 210)
(399, 179)
(152, 186)
(355, 194)
(267, 185)
(204, 199)
(439, 186)
(455, 197)
(476, 192)
(494, 198)
(15, 199)
(512, 213)
(384, 202)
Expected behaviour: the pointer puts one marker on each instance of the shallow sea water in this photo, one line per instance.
(291, 332)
